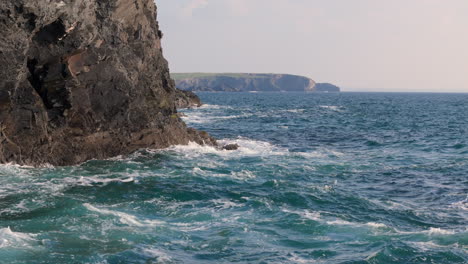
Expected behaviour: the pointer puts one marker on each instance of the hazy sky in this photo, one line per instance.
(371, 45)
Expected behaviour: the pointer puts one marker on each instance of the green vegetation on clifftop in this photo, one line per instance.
(248, 82)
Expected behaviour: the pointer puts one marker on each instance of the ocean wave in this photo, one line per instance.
(347, 223)
(225, 204)
(93, 180)
(430, 232)
(440, 231)
(249, 148)
(151, 252)
(433, 231)
(124, 218)
(433, 245)
(10, 239)
(332, 107)
(316, 216)
(191, 227)
(300, 110)
(463, 204)
(10, 169)
(239, 175)
(202, 118)
(212, 106)
(306, 214)
(294, 258)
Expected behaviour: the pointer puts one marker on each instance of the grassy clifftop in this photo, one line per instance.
(246, 82)
(204, 75)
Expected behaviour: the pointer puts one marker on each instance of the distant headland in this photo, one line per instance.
(249, 82)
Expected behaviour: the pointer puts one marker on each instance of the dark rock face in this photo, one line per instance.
(187, 99)
(231, 147)
(84, 79)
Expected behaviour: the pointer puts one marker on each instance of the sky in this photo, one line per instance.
(360, 45)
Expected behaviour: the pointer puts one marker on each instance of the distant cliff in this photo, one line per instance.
(248, 82)
(327, 88)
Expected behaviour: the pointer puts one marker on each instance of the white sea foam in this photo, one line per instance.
(463, 204)
(297, 259)
(91, 180)
(440, 231)
(247, 148)
(332, 107)
(433, 231)
(239, 175)
(160, 255)
(10, 169)
(376, 225)
(293, 110)
(210, 106)
(347, 223)
(242, 175)
(202, 118)
(432, 245)
(125, 218)
(306, 214)
(10, 239)
(191, 227)
(225, 204)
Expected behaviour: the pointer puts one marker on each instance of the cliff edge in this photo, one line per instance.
(84, 79)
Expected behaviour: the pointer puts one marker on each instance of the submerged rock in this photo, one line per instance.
(84, 79)
(231, 147)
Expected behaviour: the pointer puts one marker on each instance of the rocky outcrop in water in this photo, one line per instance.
(187, 99)
(84, 79)
(248, 82)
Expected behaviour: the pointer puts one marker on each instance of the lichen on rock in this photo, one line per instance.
(84, 79)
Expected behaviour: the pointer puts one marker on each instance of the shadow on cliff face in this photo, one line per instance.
(48, 76)
(50, 34)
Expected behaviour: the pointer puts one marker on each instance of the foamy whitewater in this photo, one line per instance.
(318, 178)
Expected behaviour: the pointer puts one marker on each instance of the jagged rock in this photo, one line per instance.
(187, 99)
(231, 147)
(84, 79)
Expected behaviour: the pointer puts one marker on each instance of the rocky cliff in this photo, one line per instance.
(187, 99)
(84, 79)
(247, 82)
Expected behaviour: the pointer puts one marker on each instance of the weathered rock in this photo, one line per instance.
(231, 147)
(187, 99)
(84, 79)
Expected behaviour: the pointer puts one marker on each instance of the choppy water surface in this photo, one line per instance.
(319, 178)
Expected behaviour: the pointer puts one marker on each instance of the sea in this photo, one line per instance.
(318, 178)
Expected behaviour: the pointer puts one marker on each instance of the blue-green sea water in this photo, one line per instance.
(319, 178)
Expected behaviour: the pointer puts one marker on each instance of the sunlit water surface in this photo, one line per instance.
(318, 178)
